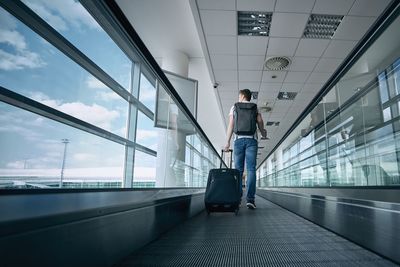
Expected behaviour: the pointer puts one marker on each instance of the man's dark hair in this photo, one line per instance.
(246, 93)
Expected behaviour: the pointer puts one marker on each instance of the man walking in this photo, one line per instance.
(243, 120)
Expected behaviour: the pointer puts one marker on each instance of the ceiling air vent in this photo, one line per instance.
(287, 95)
(254, 23)
(322, 26)
(277, 63)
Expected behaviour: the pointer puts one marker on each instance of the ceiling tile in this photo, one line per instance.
(303, 97)
(222, 44)
(226, 75)
(249, 76)
(270, 87)
(339, 48)
(282, 46)
(252, 45)
(319, 77)
(267, 76)
(337, 7)
(353, 28)
(227, 95)
(280, 109)
(277, 115)
(270, 98)
(328, 64)
(219, 22)
(368, 7)
(311, 47)
(292, 87)
(220, 4)
(255, 5)
(228, 86)
(252, 86)
(251, 62)
(288, 24)
(303, 63)
(224, 62)
(300, 6)
(296, 77)
(312, 87)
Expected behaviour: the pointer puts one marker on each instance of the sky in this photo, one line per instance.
(31, 66)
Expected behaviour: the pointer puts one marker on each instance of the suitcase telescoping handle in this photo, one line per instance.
(222, 157)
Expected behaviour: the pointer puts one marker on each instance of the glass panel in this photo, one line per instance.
(32, 67)
(383, 87)
(147, 93)
(146, 134)
(145, 170)
(356, 145)
(34, 150)
(72, 20)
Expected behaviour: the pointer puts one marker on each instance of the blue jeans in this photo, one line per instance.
(246, 149)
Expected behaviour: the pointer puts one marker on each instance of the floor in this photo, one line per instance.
(267, 236)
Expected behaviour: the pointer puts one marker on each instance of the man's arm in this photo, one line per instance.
(260, 123)
(229, 133)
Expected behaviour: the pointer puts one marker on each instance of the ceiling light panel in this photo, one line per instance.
(253, 23)
(322, 26)
(287, 95)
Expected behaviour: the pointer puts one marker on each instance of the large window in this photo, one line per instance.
(351, 137)
(96, 127)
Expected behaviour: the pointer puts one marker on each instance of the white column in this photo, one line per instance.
(172, 143)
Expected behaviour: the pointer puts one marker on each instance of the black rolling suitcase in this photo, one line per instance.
(223, 189)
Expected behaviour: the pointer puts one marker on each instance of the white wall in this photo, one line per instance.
(208, 112)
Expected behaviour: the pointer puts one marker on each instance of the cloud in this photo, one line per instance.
(21, 57)
(83, 157)
(23, 131)
(94, 83)
(56, 22)
(94, 114)
(104, 93)
(61, 14)
(19, 164)
(145, 134)
(44, 99)
(22, 60)
(148, 94)
(108, 96)
(13, 38)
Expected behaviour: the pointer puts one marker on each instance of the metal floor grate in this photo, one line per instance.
(267, 236)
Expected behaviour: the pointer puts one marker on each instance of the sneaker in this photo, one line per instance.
(251, 205)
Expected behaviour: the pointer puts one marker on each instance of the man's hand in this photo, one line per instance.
(264, 134)
(227, 147)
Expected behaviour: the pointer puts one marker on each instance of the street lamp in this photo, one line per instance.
(65, 142)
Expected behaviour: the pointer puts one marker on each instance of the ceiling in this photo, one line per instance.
(160, 28)
(236, 62)
(208, 28)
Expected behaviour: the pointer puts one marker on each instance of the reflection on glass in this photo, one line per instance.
(356, 145)
(147, 93)
(187, 90)
(183, 160)
(39, 153)
(72, 20)
(146, 134)
(32, 67)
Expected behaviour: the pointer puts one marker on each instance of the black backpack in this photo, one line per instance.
(245, 118)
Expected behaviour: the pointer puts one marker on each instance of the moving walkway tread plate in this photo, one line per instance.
(267, 236)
